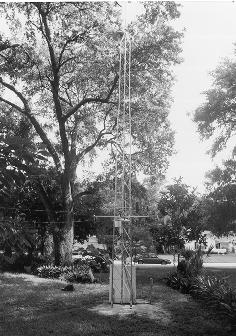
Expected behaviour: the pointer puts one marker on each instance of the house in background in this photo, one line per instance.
(221, 244)
(210, 242)
(92, 241)
(227, 242)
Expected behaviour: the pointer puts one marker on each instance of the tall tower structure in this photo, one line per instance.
(123, 277)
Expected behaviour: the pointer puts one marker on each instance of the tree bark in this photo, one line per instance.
(63, 234)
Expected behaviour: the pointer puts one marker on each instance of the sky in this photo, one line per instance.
(209, 37)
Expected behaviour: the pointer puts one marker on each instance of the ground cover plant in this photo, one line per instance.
(37, 306)
(80, 270)
(214, 291)
(217, 293)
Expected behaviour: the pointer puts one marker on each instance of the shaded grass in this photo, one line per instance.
(33, 306)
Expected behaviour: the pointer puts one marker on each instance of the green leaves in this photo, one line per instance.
(218, 114)
(219, 203)
(184, 207)
(63, 79)
(14, 237)
(217, 293)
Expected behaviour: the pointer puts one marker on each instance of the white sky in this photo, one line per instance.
(209, 37)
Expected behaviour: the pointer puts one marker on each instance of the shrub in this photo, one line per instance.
(76, 273)
(217, 293)
(97, 263)
(49, 271)
(213, 291)
(187, 270)
(191, 265)
(18, 262)
(176, 281)
(73, 273)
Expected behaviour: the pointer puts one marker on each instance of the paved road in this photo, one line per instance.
(219, 265)
(206, 265)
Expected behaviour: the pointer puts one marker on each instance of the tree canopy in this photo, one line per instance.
(59, 69)
(216, 118)
(220, 202)
(180, 218)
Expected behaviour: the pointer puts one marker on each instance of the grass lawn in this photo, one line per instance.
(213, 258)
(32, 306)
(221, 258)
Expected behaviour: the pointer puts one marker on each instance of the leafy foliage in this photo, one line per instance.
(15, 237)
(216, 117)
(19, 158)
(81, 270)
(74, 273)
(217, 293)
(219, 203)
(97, 263)
(188, 269)
(180, 217)
(60, 66)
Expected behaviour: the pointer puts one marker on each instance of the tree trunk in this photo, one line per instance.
(63, 242)
(63, 234)
(48, 249)
(8, 251)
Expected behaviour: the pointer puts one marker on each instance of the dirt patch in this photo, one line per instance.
(154, 311)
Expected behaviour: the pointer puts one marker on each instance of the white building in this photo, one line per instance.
(92, 241)
(221, 244)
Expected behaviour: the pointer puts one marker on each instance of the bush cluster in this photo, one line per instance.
(19, 263)
(213, 291)
(80, 270)
(97, 263)
(73, 273)
(217, 293)
(22, 260)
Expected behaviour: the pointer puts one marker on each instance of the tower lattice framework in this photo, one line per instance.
(122, 283)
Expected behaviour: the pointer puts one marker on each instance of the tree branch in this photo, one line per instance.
(83, 193)
(91, 100)
(55, 81)
(5, 47)
(27, 112)
(13, 89)
(90, 147)
(11, 104)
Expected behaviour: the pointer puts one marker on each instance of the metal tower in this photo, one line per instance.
(122, 277)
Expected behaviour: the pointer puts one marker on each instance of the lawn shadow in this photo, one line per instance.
(34, 306)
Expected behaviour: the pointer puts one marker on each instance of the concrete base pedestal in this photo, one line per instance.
(118, 294)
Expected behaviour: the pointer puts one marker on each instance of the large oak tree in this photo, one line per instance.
(59, 68)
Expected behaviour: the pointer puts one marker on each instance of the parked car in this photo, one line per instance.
(218, 251)
(137, 257)
(215, 250)
(151, 259)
